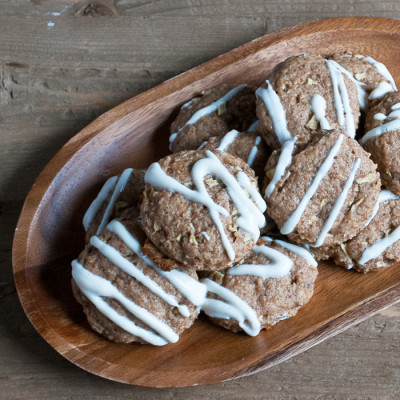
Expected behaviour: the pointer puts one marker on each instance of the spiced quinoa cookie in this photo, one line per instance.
(305, 93)
(125, 297)
(375, 77)
(281, 158)
(118, 198)
(327, 192)
(215, 112)
(246, 145)
(382, 139)
(271, 284)
(377, 246)
(196, 211)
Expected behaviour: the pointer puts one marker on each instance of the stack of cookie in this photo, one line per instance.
(259, 182)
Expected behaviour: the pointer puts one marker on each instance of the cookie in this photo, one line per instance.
(382, 127)
(246, 145)
(377, 246)
(215, 112)
(271, 285)
(202, 208)
(118, 198)
(125, 297)
(305, 93)
(326, 192)
(375, 78)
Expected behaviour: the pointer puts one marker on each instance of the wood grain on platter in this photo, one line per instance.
(49, 233)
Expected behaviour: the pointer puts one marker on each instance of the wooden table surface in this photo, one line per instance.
(64, 63)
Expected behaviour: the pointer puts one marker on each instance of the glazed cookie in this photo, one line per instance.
(118, 198)
(246, 145)
(271, 284)
(375, 78)
(377, 245)
(326, 193)
(382, 139)
(280, 159)
(125, 297)
(202, 208)
(215, 112)
(305, 93)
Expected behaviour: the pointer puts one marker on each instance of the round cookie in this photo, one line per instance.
(125, 297)
(326, 193)
(377, 246)
(271, 284)
(246, 145)
(382, 139)
(305, 93)
(202, 208)
(375, 77)
(215, 112)
(118, 198)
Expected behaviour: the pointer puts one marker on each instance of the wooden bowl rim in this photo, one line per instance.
(42, 184)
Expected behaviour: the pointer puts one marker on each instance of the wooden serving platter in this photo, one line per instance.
(49, 232)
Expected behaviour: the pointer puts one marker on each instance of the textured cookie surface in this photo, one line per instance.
(188, 131)
(292, 87)
(272, 298)
(349, 254)
(182, 227)
(331, 183)
(246, 145)
(384, 118)
(99, 265)
(369, 72)
(121, 196)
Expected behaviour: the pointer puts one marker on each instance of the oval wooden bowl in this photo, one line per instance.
(49, 233)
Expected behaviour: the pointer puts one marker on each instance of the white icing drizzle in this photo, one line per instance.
(206, 235)
(251, 217)
(121, 262)
(301, 251)
(379, 247)
(384, 128)
(188, 103)
(233, 307)
(318, 107)
(193, 290)
(285, 158)
(338, 204)
(341, 98)
(294, 219)
(361, 92)
(209, 109)
(95, 287)
(275, 111)
(381, 68)
(227, 140)
(172, 139)
(98, 201)
(253, 127)
(245, 183)
(254, 151)
(379, 116)
(384, 195)
(279, 266)
(119, 187)
(381, 90)
(204, 144)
